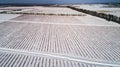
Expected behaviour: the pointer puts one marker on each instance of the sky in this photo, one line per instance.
(58, 1)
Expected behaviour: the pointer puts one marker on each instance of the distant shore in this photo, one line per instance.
(34, 4)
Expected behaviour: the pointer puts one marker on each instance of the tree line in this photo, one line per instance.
(108, 17)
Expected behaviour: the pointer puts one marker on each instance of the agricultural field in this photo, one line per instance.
(65, 20)
(1, 10)
(41, 9)
(54, 10)
(5, 17)
(29, 40)
(101, 8)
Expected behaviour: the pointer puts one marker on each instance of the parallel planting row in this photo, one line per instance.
(74, 40)
(8, 59)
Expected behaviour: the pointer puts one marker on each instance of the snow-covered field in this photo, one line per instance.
(100, 8)
(5, 17)
(65, 20)
(1, 10)
(4, 10)
(53, 10)
(41, 9)
(58, 41)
